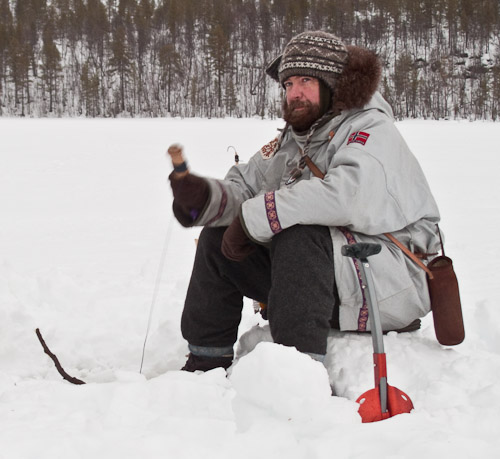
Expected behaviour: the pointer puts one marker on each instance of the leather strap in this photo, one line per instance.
(409, 253)
(317, 172)
(314, 169)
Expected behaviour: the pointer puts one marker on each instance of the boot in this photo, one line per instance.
(201, 363)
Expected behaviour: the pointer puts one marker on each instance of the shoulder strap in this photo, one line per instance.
(409, 253)
(316, 171)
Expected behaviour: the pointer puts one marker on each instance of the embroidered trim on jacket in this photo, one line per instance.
(272, 214)
(363, 312)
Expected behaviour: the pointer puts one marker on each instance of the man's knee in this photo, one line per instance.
(298, 237)
(302, 295)
(211, 237)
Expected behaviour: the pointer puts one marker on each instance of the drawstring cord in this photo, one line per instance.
(305, 160)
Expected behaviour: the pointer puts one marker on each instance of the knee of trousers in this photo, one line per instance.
(307, 330)
(302, 298)
(302, 238)
(303, 252)
(210, 238)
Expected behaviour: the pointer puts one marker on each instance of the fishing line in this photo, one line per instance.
(157, 285)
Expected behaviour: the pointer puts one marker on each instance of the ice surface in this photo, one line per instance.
(84, 214)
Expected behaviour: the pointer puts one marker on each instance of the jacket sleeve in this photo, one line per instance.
(363, 190)
(241, 183)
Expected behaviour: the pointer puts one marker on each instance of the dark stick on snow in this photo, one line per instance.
(60, 369)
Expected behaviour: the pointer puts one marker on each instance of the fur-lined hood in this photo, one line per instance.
(356, 84)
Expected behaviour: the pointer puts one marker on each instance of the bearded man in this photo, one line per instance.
(338, 173)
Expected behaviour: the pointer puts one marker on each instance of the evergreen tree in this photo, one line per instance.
(120, 62)
(90, 90)
(6, 27)
(143, 25)
(30, 19)
(51, 59)
(19, 63)
(170, 64)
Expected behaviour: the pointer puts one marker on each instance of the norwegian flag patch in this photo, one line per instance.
(268, 150)
(358, 137)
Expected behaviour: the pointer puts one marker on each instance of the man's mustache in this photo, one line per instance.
(294, 104)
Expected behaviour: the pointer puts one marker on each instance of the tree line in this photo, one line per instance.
(207, 58)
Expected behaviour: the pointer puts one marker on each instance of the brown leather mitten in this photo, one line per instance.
(191, 194)
(236, 245)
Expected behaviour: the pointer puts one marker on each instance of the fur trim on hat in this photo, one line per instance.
(359, 80)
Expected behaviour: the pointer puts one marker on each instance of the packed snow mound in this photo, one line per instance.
(255, 335)
(278, 381)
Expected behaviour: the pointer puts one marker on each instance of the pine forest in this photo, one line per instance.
(207, 58)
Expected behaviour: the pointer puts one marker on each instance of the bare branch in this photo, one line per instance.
(60, 369)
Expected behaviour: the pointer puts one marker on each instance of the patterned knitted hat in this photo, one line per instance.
(318, 54)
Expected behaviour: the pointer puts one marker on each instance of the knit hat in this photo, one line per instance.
(317, 54)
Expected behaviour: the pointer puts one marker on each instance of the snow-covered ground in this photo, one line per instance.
(84, 216)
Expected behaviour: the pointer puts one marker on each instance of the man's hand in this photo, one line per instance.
(176, 153)
(191, 194)
(236, 245)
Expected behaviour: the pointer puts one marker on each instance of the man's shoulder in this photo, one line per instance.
(362, 128)
(269, 149)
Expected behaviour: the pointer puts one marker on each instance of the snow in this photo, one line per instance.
(85, 214)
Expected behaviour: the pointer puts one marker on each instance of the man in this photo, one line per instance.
(338, 173)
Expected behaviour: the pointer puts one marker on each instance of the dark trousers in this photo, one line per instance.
(295, 278)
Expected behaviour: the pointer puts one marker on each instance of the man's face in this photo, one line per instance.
(302, 104)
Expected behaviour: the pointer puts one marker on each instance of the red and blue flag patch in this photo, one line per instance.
(358, 137)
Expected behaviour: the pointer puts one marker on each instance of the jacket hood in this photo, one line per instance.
(359, 80)
(377, 102)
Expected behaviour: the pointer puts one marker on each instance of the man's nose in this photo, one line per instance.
(295, 92)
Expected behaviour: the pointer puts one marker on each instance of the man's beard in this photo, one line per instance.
(300, 120)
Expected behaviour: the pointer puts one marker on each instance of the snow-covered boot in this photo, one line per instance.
(202, 363)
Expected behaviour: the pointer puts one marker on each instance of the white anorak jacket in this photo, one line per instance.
(373, 185)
